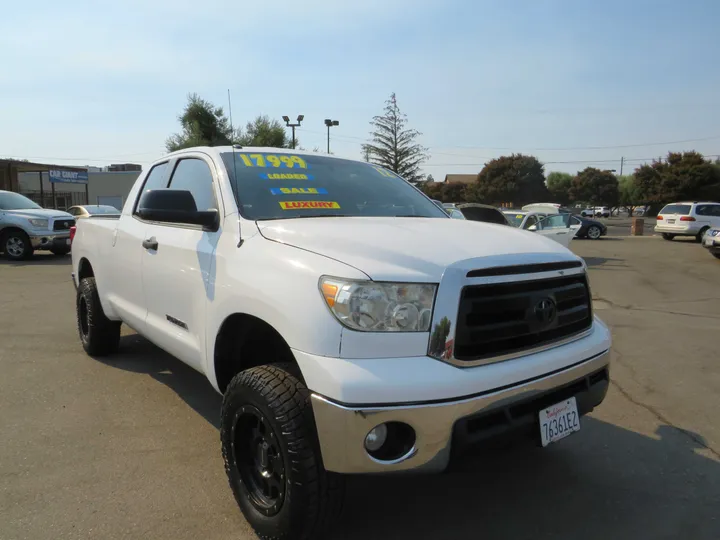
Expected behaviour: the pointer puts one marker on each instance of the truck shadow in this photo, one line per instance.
(604, 482)
(138, 355)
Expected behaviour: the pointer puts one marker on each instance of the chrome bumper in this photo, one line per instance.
(48, 241)
(342, 428)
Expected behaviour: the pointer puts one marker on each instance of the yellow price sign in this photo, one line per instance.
(272, 160)
(301, 205)
(384, 172)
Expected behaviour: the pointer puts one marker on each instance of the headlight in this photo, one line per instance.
(379, 307)
(39, 223)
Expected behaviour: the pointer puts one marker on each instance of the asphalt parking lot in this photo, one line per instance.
(129, 447)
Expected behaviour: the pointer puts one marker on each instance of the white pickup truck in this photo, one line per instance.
(351, 325)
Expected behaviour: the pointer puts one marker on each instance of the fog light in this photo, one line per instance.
(376, 438)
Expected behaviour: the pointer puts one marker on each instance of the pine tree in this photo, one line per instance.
(394, 146)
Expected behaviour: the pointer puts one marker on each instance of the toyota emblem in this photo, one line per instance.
(545, 311)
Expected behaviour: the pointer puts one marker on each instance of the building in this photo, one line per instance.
(103, 187)
(460, 178)
(118, 167)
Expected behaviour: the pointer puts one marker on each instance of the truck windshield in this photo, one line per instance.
(282, 185)
(15, 201)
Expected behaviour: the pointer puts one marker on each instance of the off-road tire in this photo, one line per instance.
(99, 335)
(21, 241)
(313, 497)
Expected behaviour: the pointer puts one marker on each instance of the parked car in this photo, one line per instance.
(347, 320)
(523, 219)
(711, 241)
(87, 210)
(559, 227)
(25, 226)
(687, 219)
(482, 212)
(598, 211)
(589, 228)
(455, 213)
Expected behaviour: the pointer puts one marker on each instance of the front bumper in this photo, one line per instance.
(438, 425)
(51, 240)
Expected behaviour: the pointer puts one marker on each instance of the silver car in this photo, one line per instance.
(711, 241)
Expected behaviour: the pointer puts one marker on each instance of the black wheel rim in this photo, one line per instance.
(83, 317)
(257, 456)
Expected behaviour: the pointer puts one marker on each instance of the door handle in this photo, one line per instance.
(150, 243)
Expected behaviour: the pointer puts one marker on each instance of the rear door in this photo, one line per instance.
(557, 228)
(179, 270)
(671, 216)
(707, 215)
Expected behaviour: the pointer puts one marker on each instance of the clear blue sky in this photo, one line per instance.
(89, 84)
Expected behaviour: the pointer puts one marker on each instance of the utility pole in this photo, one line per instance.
(293, 126)
(329, 123)
(622, 160)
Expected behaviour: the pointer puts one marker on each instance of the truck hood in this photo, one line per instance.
(42, 213)
(413, 249)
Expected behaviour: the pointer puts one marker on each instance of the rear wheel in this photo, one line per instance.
(16, 245)
(667, 236)
(700, 235)
(272, 456)
(594, 232)
(99, 335)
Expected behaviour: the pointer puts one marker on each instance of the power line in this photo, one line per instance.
(610, 147)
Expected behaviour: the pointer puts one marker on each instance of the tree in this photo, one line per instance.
(453, 193)
(595, 186)
(429, 178)
(630, 194)
(203, 124)
(394, 146)
(686, 175)
(516, 179)
(264, 132)
(434, 190)
(558, 184)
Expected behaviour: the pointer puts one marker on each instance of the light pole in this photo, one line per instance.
(329, 123)
(293, 126)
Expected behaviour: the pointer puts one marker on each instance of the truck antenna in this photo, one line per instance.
(233, 145)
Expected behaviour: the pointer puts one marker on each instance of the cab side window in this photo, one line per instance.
(156, 179)
(194, 175)
(557, 221)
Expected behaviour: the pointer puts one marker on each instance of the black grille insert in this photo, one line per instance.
(63, 224)
(499, 319)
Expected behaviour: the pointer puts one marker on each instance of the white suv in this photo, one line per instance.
(687, 219)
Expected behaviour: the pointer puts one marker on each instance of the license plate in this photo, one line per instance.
(671, 221)
(67, 241)
(559, 421)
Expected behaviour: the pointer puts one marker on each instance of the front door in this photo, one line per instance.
(179, 267)
(125, 289)
(557, 227)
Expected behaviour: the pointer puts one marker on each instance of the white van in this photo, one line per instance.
(687, 219)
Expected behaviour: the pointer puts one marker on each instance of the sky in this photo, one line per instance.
(576, 83)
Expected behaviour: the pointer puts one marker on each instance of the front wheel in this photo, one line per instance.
(272, 456)
(17, 246)
(594, 232)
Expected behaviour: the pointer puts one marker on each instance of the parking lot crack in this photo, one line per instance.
(662, 418)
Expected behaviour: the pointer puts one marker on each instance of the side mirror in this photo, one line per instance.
(176, 206)
(532, 228)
